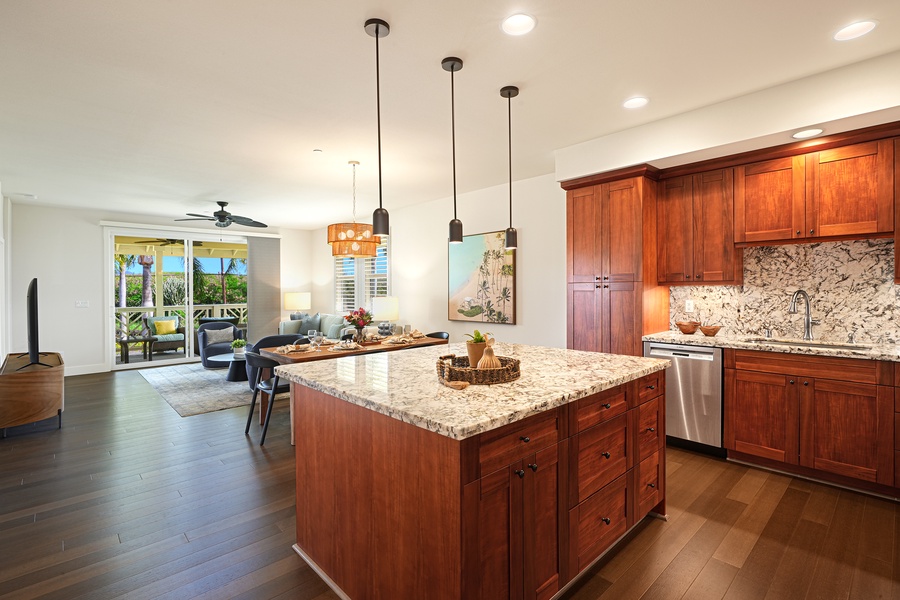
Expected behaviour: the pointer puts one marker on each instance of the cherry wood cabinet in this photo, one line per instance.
(696, 230)
(605, 317)
(825, 415)
(836, 193)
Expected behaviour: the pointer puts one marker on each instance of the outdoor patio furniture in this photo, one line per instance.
(166, 341)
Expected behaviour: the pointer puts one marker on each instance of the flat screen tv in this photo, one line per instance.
(34, 354)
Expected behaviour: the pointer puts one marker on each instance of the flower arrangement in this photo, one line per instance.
(359, 318)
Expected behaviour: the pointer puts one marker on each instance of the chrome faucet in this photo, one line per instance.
(808, 321)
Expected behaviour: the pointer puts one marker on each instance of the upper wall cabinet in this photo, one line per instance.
(695, 229)
(846, 191)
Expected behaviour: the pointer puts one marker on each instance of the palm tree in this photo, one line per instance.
(123, 263)
(230, 270)
(146, 289)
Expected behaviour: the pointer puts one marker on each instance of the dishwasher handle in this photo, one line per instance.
(666, 353)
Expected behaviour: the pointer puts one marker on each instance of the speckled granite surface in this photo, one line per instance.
(404, 385)
(866, 351)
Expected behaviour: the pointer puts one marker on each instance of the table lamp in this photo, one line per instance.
(385, 309)
(297, 301)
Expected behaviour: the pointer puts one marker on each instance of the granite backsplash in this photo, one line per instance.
(850, 285)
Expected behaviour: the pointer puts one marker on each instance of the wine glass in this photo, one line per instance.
(319, 338)
(311, 336)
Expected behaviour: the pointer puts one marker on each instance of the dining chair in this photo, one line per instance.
(439, 334)
(269, 386)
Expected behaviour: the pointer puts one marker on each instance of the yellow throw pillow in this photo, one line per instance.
(165, 327)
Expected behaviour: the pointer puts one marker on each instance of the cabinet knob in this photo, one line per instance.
(651, 429)
(605, 286)
(607, 405)
(805, 383)
(812, 230)
(791, 382)
(605, 278)
(533, 467)
(525, 439)
(651, 485)
(597, 277)
(520, 473)
(605, 520)
(698, 277)
(597, 286)
(687, 276)
(605, 454)
(651, 387)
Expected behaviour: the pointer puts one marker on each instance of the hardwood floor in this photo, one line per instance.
(131, 500)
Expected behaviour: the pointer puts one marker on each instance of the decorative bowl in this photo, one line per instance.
(687, 327)
(710, 330)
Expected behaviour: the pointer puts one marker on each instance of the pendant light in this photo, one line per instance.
(453, 64)
(508, 92)
(353, 240)
(380, 218)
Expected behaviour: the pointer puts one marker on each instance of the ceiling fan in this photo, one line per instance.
(161, 242)
(223, 218)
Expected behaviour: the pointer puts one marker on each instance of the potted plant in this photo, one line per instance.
(475, 346)
(359, 318)
(239, 346)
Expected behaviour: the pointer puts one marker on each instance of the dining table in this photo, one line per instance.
(326, 353)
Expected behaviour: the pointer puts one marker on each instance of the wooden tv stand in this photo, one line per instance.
(33, 393)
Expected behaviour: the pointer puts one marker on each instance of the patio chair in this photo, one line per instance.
(171, 338)
(215, 348)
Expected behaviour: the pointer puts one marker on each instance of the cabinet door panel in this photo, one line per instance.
(762, 415)
(583, 226)
(675, 230)
(621, 324)
(769, 200)
(597, 456)
(648, 480)
(648, 430)
(850, 190)
(583, 327)
(621, 239)
(596, 523)
(714, 251)
(541, 518)
(488, 538)
(847, 429)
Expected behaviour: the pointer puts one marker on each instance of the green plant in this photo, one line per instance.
(238, 343)
(478, 337)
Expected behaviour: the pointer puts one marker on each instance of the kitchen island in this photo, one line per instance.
(410, 489)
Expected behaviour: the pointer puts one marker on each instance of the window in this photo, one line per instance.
(358, 280)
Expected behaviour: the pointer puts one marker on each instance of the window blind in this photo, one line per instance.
(357, 280)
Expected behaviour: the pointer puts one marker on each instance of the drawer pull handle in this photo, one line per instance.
(651, 429)
(651, 387)
(653, 485)
(533, 467)
(792, 382)
(812, 230)
(798, 232)
(805, 383)
(605, 454)
(520, 473)
(605, 520)
(607, 405)
(525, 438)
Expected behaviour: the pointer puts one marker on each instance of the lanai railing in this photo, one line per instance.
(130, 320)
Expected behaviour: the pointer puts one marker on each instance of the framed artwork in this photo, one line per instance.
(482, 280)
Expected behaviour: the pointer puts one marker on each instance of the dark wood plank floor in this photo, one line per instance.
(131, 500)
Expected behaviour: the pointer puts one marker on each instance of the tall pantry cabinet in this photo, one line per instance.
(613, 297)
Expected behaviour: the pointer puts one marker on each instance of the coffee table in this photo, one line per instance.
(237, 366)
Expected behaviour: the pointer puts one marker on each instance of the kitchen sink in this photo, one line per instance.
(809, 343)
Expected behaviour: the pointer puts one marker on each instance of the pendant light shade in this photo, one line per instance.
(453, 64)
(353, 240)
(380, 218)
(512, 236)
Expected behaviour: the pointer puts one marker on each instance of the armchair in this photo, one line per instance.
(213, 347)
(166, 341)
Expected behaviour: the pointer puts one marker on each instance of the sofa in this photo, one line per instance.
(215, 338)
(168, 336)
(331, 325)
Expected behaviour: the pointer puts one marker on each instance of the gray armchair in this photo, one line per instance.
(166, 341)
(208, 349)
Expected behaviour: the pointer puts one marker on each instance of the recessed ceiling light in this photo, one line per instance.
(518, 24)
(636, 102)
(851, 32)
(807, 133)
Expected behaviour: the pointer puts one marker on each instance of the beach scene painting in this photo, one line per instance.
(482, 280)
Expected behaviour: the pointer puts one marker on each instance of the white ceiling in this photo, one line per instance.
(163, 107)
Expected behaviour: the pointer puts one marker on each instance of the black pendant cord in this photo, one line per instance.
(453, 137)
(509, 122)
(378, 109)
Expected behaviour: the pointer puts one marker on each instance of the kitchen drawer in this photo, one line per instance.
(596, 523)
(598, 408)
(648, 430)
(597, 456)
(647, 478)
(508, 444)
(650, 386)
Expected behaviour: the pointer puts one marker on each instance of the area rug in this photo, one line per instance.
(192, 389)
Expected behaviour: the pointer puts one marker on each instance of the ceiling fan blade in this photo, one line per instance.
(246, 221)
(197, 219)
(196, 215)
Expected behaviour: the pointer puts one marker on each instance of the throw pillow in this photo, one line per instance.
(217, 336)
(310, 322)
(299, 316)
(334, 332)
(289, 327)
(165, 327)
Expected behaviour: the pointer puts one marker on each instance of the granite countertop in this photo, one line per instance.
(404, 385)
(889, 352)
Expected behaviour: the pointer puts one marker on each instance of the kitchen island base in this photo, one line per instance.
(388, 509)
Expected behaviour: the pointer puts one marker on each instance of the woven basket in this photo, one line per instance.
(453, 368)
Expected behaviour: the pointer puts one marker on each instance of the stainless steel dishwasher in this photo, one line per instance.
(693, 394)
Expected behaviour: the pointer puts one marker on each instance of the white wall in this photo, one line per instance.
(419, 260)
(295, 261)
